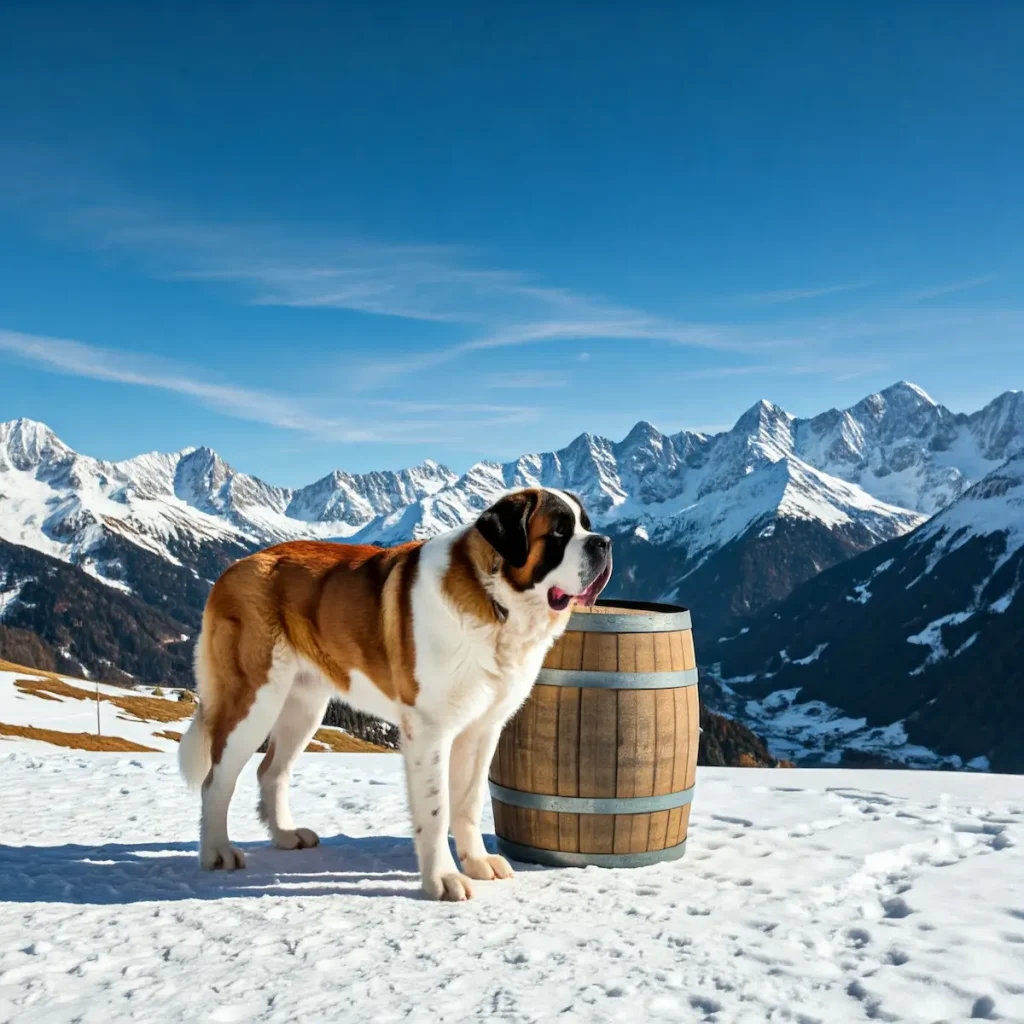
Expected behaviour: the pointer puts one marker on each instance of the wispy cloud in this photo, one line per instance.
(281, 265)
(615, 325)
(277, 265)
(948, 289)
(485, 308)
(380, 421)
(772, 298)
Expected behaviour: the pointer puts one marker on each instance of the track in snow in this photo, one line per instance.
(805, 895)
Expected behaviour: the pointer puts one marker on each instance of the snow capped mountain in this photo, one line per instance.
(749, 513)
(65, 504)
(861, 568)
(910, 651)
(904, 448)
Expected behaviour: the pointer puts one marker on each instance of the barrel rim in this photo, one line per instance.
(660, 618)
(566, 859)
(587, 680)
(590, 805)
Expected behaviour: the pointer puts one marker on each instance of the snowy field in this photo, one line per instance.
(51, 709)
(805, 895)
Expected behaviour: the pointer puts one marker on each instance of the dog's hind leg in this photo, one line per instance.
(233, 743)
(301, 716)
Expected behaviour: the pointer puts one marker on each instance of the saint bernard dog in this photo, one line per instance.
(444, 638)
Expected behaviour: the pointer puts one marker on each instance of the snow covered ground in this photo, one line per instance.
(72, 713)
(805, 895)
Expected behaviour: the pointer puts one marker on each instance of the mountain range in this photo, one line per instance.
(738, 525)
(909, 653)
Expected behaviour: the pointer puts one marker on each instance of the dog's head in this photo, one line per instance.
(546, 547)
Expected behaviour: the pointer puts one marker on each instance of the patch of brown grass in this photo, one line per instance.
(73, 740)
(334, 741)
(10, 666)
(49, 686)
(146, 709)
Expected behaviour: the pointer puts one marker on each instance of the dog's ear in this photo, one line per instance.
(505, 526)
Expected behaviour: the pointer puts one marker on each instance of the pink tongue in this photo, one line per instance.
(557, 593)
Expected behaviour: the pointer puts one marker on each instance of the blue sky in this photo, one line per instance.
(319, 236)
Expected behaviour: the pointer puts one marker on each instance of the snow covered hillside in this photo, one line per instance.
(45, 711)
(910, 651)
(805, 895)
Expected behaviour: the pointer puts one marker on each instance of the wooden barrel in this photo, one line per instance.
(598, 766)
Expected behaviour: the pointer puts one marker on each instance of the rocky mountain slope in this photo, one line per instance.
(909, 652)
(58, 617)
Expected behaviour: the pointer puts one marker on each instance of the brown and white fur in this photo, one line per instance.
(443, 638)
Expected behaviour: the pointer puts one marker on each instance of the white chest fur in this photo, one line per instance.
(467, 669)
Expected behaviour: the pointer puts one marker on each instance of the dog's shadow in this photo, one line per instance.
(117, 873)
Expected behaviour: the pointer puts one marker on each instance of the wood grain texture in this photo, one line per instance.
(599, 742)
(627, 758)
(598, 765)
(569, 764)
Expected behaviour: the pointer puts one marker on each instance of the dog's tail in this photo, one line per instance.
(194, 757)
(194, 760)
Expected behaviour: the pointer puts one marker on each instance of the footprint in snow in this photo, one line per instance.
(896, 908)
(733, 821)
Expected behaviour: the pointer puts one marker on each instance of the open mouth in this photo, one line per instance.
(559, 600)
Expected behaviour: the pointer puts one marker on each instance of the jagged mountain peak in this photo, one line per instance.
(643, 433)
(25, 443)
(904, 392)
(763, 409)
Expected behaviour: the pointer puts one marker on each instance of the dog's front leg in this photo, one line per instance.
(427, 751)
(471, 758)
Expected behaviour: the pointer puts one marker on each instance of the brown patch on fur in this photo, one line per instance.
(342, 607)
(74, 740)
(146, 709)
(472, 561)
(398, 632)
(538, 528)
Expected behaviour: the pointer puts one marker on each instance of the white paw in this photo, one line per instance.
(296, 839)
(491, 865)
(454, 888)
(222, 857)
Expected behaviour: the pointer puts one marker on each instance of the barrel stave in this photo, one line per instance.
(604, 742)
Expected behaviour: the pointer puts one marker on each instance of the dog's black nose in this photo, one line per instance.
(598, 545)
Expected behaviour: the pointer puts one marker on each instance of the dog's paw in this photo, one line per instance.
(454, 888)
(296, 839)
(224, 857)
(491, 865)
